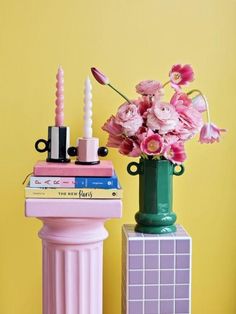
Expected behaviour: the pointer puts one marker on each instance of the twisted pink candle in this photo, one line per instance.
(59, 118)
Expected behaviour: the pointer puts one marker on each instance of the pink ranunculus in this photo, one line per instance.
(152, 145)
(180, 98)
(130, 148)
(114, 140)
(112, 127)
(210, 133)
(199, 103)
(181, 75)
(162, 117)
(99, 76)
(129, 118)
(149, 87)
(190, 122)
(175, 153)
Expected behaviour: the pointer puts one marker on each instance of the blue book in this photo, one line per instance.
(75, 182)
(97, 182)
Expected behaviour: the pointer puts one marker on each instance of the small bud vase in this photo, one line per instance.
(155, 213)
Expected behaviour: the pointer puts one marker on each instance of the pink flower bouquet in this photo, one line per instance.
(151, 127)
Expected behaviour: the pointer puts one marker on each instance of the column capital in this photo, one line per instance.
(74, 231)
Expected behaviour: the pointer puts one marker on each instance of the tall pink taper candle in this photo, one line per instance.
(59, 117)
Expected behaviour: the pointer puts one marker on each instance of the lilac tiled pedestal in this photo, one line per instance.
(156, 272)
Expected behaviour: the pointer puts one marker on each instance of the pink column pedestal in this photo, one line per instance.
(73, 252)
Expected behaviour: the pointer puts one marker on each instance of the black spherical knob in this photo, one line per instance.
(102, 151)
(72, 151)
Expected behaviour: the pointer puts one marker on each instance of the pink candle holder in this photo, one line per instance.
(88, 151)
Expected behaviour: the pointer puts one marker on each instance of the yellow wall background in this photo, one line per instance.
(130, 40)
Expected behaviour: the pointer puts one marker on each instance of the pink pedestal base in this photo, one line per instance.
(73, 261)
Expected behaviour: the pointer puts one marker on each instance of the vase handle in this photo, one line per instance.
(180, 172)
(133, 164)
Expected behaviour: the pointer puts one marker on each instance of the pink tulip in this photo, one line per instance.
(152, 145)
(130, 148)
(175, 153)
(99, 76)
(143, 103)
(114, 140)
(112, 127)
(180, 98)
(142, 133)
(199, 103)
(210, 133)
(104, 80)
(181, 75)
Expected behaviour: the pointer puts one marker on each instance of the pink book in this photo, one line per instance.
(103, 169)
(75, 208)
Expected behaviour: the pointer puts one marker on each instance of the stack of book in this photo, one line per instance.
(71, 181)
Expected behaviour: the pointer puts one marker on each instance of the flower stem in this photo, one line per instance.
(205, 100)
(166, 83)
(119, 93)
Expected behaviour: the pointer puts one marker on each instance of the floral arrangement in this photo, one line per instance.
(152, 128)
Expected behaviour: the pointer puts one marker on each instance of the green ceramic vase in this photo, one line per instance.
(155, 213)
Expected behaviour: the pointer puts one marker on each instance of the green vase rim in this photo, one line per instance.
(156, 160)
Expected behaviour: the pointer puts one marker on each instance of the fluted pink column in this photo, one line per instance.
(73, 252)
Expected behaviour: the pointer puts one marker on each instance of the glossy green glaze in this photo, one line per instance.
(155, 213)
